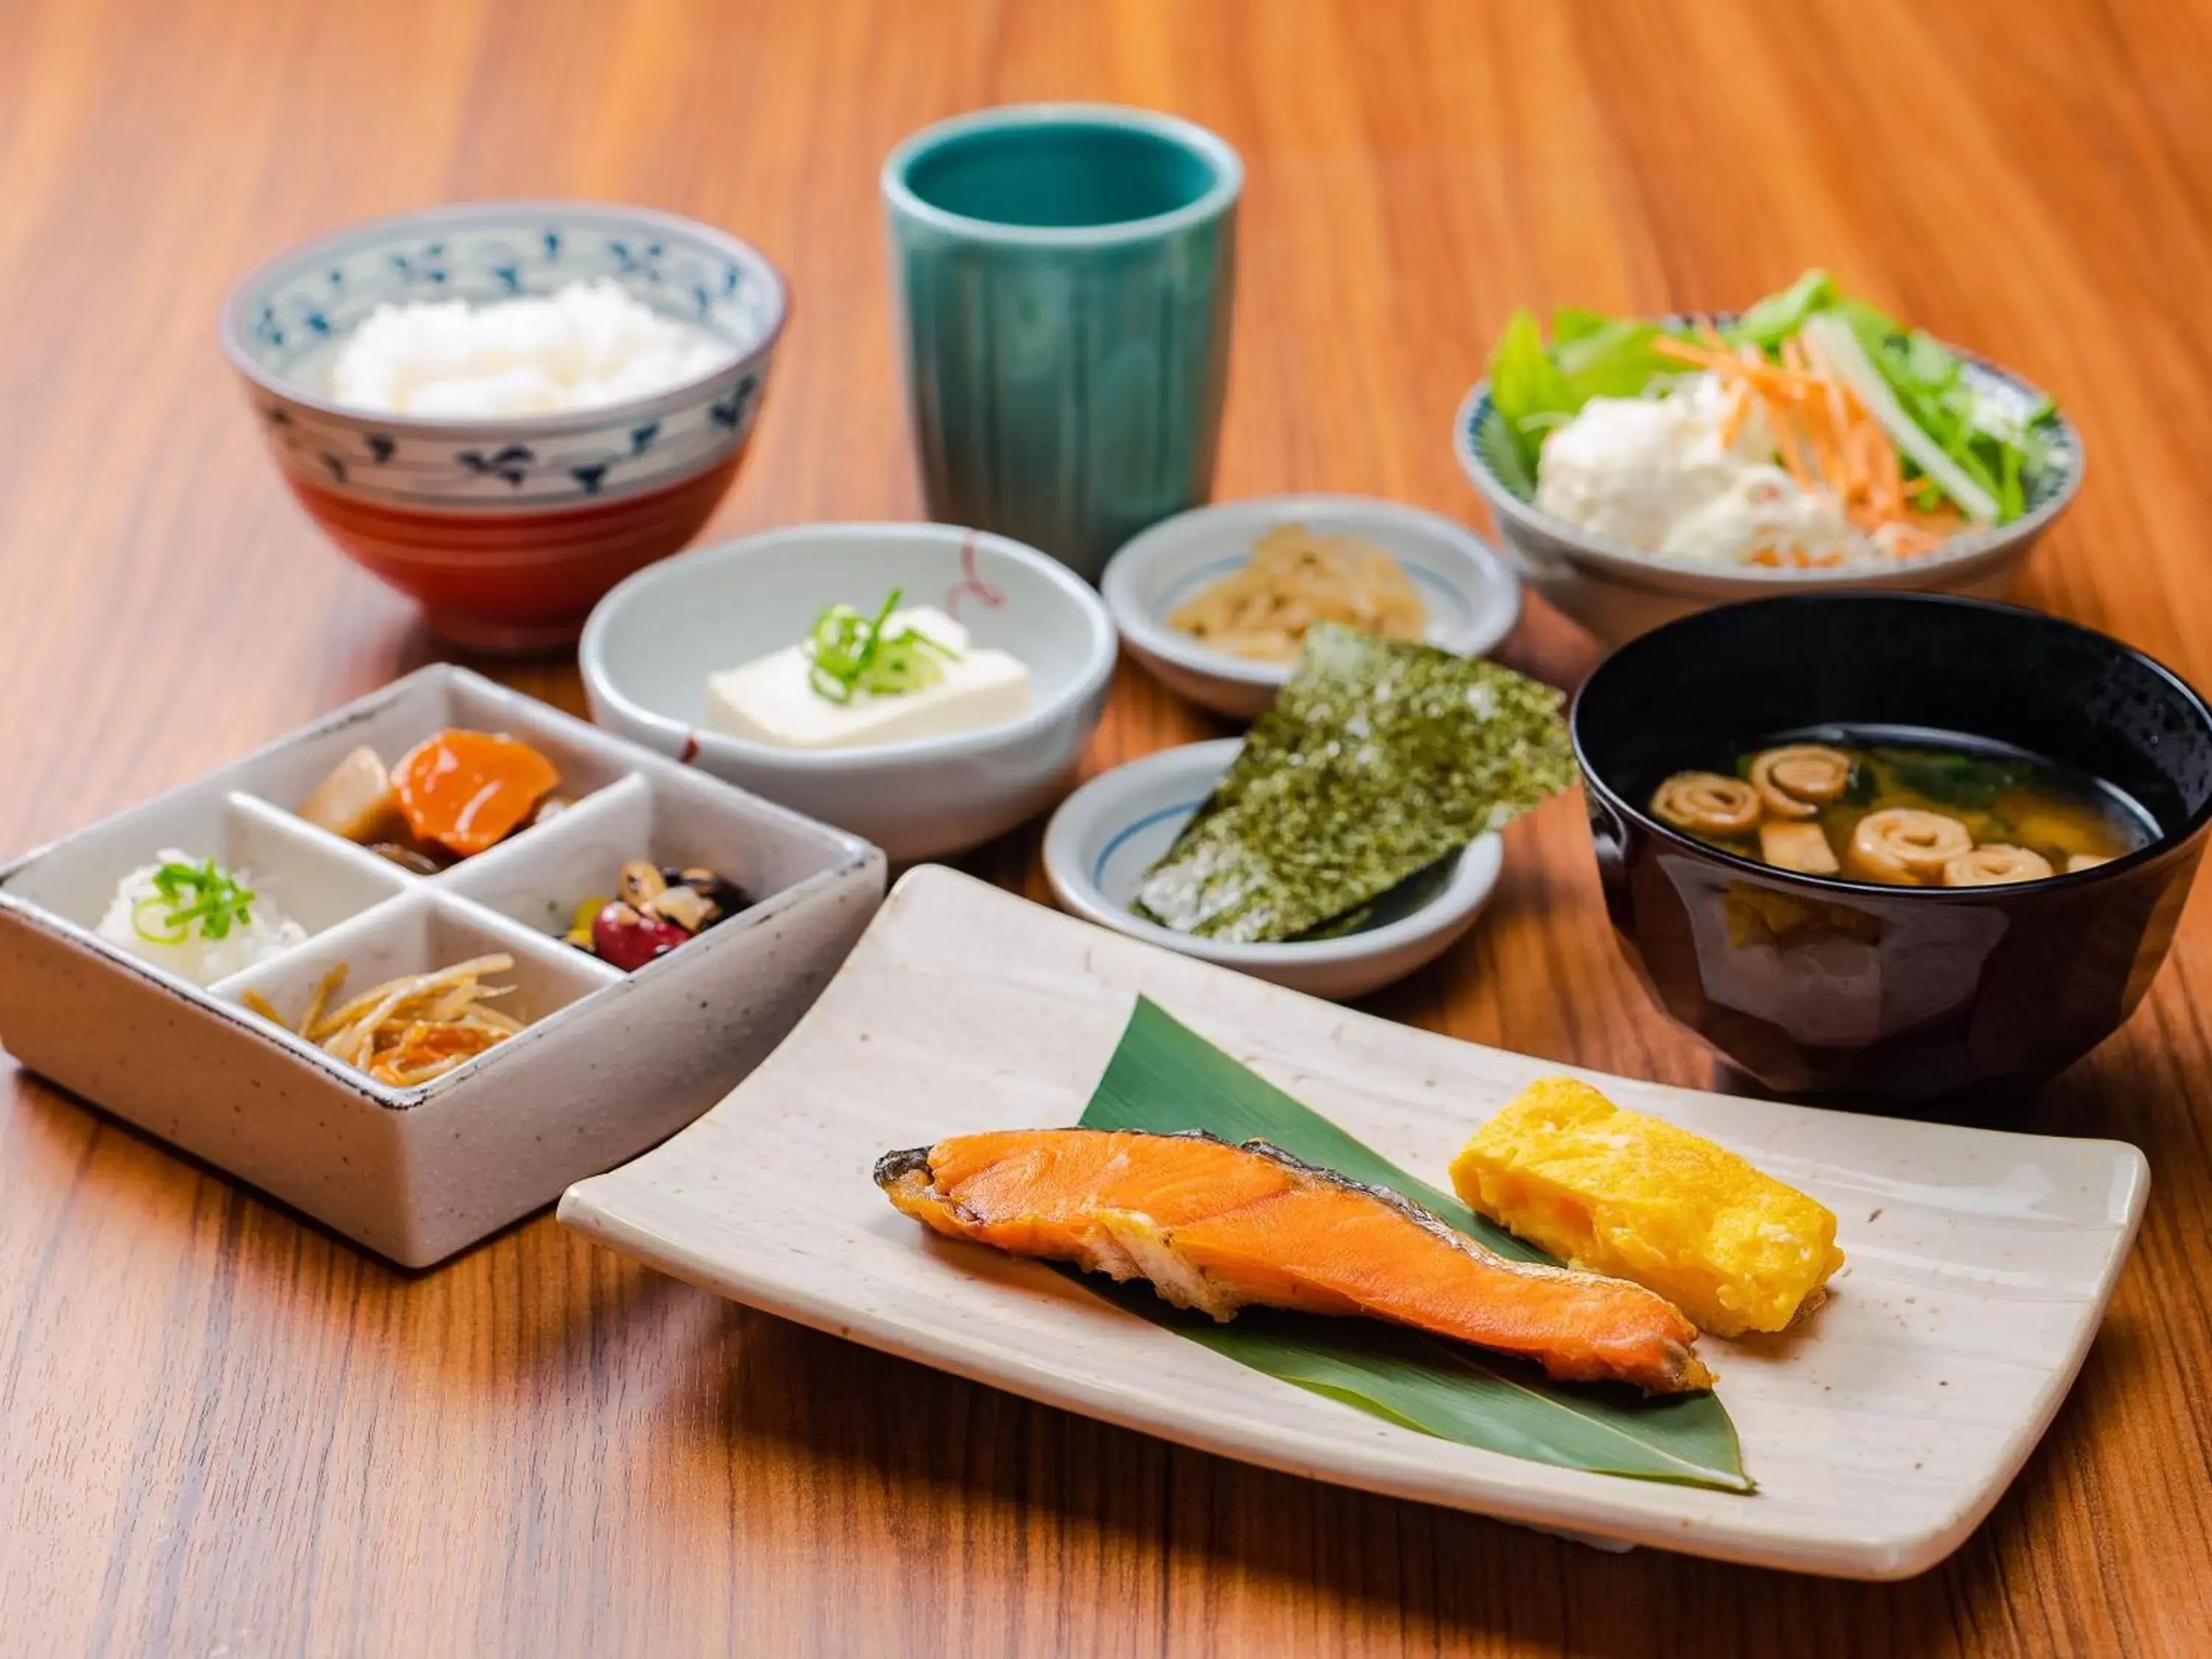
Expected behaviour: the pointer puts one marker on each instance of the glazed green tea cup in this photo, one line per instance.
(1062, 275)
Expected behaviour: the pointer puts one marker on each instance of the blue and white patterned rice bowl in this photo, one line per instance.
(401, 491)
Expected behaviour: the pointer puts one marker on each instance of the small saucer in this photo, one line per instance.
(1108, 833)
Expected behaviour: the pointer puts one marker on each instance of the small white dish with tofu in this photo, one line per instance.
(705, 657)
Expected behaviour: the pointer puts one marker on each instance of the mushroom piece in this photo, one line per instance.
(1797, 781)
(407, 858)
(687, 907)
(1800, 846)
(638, 884)
(1994, 864)
(1906, 847)
(1707, 803)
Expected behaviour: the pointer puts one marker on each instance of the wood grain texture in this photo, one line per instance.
(222, 1432)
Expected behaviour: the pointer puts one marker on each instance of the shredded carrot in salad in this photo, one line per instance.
(1824, 437)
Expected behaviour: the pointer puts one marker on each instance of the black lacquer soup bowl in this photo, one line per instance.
(1817, 985)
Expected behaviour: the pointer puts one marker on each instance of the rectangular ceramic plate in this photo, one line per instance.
(1880, 1434)
(608, 1062)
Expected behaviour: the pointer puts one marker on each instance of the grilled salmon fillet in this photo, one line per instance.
(1215, 1227)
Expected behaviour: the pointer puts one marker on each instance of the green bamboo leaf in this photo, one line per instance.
(1164, 1077)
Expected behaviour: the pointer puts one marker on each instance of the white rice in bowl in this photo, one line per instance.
(586, 346)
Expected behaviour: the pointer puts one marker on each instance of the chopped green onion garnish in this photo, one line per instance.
(849, 653)
(188, 895)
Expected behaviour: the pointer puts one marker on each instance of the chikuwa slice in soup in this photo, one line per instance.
(1904, 808)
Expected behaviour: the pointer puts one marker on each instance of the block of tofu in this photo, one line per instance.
(1619, 1192)
(770, 700)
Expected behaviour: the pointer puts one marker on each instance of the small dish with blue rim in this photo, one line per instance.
(1108, 833)
(1472, 600)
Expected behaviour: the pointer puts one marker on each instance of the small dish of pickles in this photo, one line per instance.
(654, 908)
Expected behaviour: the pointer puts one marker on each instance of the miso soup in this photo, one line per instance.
(1903, 807)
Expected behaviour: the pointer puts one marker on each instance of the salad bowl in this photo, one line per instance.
(1619, 590)
(505, 528)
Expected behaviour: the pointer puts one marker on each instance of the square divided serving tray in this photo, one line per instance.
(609, 1062)
(1880, 1433)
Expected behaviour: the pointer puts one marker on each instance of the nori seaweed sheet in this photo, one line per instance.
(1378, 759)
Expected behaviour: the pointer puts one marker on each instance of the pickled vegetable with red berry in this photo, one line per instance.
(653, 909)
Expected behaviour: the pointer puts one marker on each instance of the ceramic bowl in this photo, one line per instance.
(1109, 832)
(1618, 592)
(1472, 599)
(1815, 985)
(506, 529)
(609, 1063)
(651, 643)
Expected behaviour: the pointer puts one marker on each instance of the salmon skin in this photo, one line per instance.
(1214, 1226)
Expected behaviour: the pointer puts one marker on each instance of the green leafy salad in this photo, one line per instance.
(1812, 429)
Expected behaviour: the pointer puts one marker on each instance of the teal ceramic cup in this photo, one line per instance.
(1062, 276)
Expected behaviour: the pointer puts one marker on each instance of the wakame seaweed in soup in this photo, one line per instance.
(1378, 759)
(1903, 807)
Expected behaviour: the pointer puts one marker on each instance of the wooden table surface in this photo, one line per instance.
(224, 1433)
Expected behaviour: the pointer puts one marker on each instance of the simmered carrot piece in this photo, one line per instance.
(469, 790)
